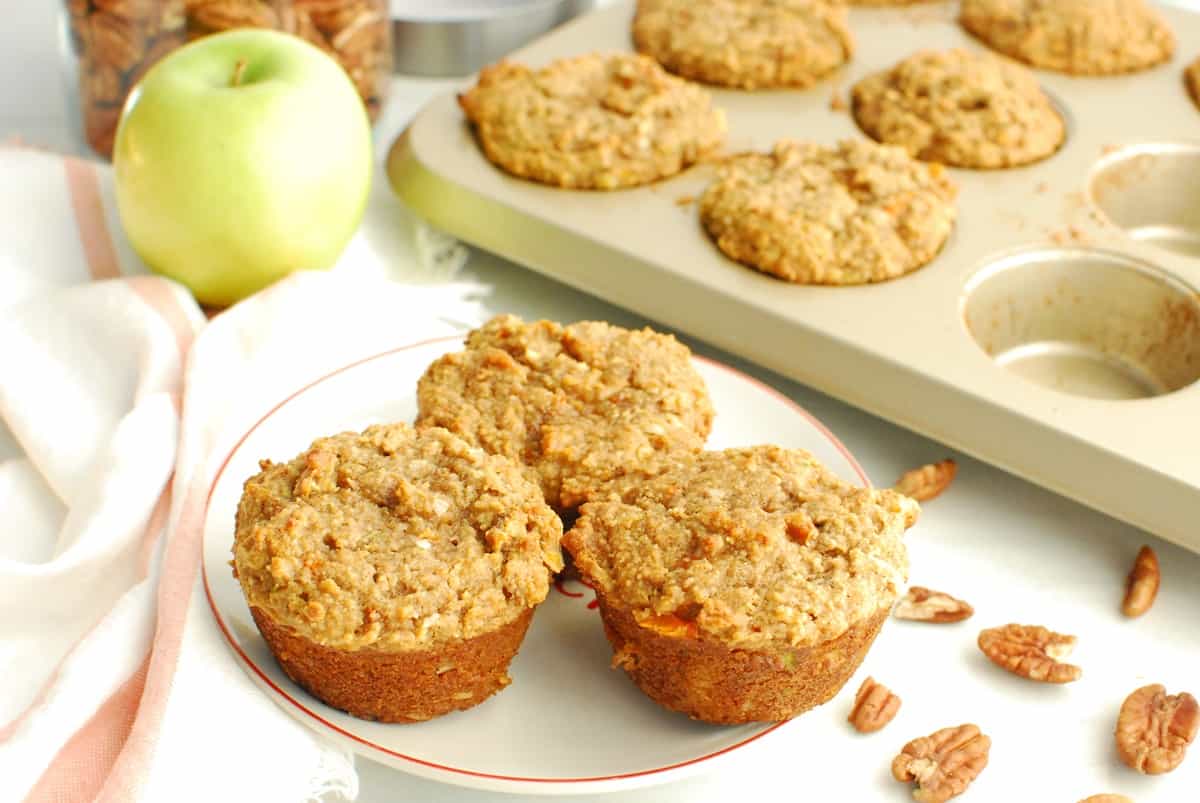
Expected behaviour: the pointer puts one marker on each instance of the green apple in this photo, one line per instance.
(240, 158)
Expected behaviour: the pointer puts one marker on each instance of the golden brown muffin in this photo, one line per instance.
(600, 121)
(745, 44)
(855, 213)
(393, 573)
(578, 405)
(961, 108)
(1080, 37)
(743, 585)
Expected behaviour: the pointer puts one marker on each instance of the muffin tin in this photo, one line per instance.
(1057, 335)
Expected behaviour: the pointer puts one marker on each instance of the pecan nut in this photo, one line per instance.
(922, 604)
(1142, 586)
(943, 764)
(927, 482)
(874, 706)
(1154, 729)
(1030, 651)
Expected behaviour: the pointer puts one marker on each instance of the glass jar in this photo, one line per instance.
(116, 41)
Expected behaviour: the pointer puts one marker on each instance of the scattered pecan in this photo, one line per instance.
(944, 763)
(922, 604)
(1154, 729)
(1106, 799)
(1030, 651)
(927, 482)
(1142, 586)
(874, 706)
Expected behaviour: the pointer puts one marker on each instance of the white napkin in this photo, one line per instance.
(117, 684)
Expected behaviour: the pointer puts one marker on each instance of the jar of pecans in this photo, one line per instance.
(117, 41)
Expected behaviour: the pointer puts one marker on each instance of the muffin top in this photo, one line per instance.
(754, 548)
(395, 539)
(598, 121)
(849, 214)
(578, 405)
(960, 108)
(745, 44)
(1080, 37)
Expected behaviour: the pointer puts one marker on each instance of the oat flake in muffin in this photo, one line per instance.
(394, 539)
(854, 213)
(961, 108)
(1080, 37)
(745, 44)
(578, 404)
(599, 121)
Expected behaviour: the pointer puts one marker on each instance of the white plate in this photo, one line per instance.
(568, 724)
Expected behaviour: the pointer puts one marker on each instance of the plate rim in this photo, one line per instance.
(306, 715)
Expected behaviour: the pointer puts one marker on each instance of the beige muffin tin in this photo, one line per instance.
(1057, 335)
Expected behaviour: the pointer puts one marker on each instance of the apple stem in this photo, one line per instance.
(238, 70)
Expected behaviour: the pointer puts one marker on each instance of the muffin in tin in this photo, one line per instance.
(742, 585)
(600, 121)
(745, 44)
(393, 573)
(960, 107)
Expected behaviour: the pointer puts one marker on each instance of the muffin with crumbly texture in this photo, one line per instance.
(742, 585)
(578, 405)
(854, 213)
(745, 44)
(1079, 37)
(599, 121)
(960, 108)
(394, 572)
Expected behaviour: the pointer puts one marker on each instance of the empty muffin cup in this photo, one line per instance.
(1086, 322)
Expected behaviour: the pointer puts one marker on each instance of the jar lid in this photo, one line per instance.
(457, 37)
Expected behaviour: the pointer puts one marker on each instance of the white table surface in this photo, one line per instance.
(987, 516)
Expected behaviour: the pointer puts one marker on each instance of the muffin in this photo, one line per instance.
(960, 108)
(598, 122)
(393, 573)
(578, 405)
(854, 213)
(742, 585)
(745, 44)
(1078, 37)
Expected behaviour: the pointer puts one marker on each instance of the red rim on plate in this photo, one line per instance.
(300, 706)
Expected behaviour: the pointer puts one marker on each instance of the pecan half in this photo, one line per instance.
(927, 482)
(1154, 729)
(944, 763)
(1142, 586)
(1030, 651)
(874, 706)
(922, 604)
(1106, 799)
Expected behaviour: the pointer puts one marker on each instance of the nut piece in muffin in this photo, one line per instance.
(960, 108)
(742, 585)
(745, 44)
(854, 213)
(600, 121)
(1080, 37)
(393, 573)
(578, 405)
(1191, 78)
